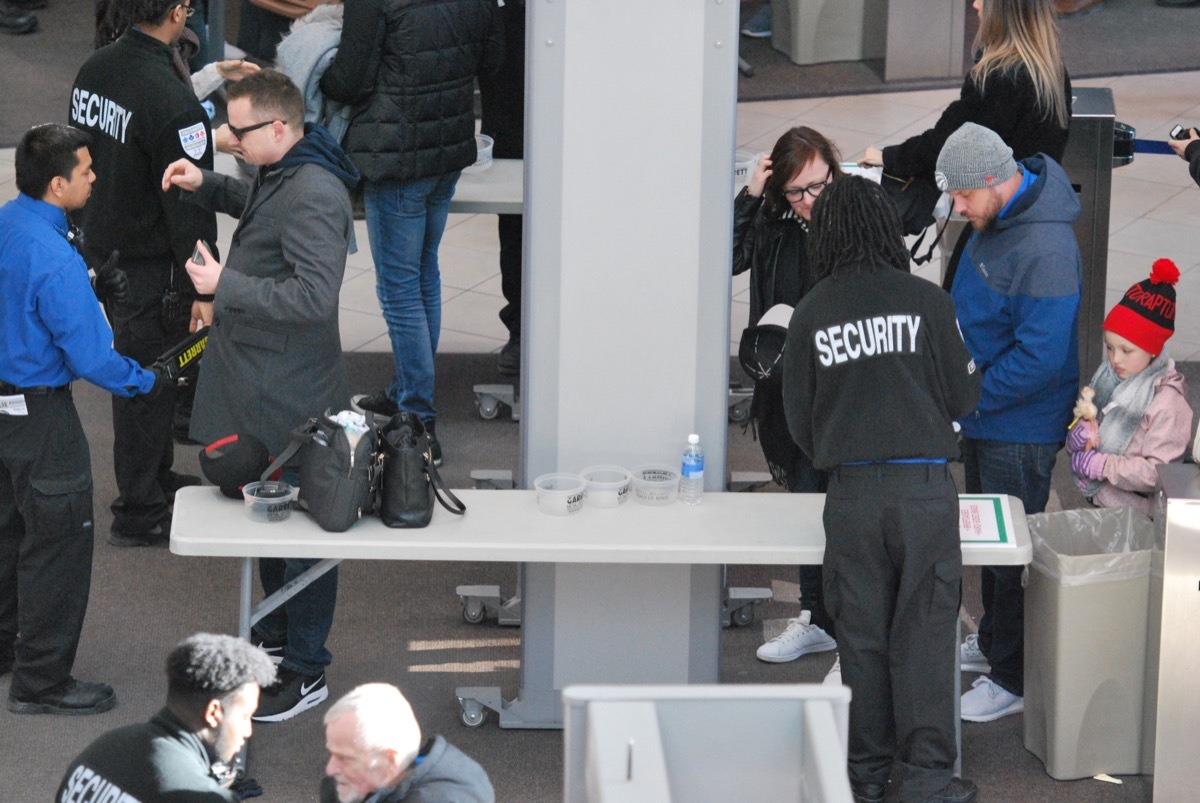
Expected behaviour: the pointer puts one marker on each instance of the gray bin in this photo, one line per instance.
(1085, 640)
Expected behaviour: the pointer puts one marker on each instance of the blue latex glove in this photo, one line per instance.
(1089, 465)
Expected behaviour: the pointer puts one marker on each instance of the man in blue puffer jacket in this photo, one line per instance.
(1017, 295)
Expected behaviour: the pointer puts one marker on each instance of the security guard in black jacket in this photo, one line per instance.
(142, 118)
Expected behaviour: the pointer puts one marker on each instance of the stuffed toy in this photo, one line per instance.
(1084, 432)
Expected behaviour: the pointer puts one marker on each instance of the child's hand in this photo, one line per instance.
(1083, 436)
(1089, 465)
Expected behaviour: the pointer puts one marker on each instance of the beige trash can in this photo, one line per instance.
(817, 31)
(1085, 640)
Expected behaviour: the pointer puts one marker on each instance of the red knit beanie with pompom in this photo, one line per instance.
(1145, 316)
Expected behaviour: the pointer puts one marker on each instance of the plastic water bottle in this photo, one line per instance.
(691, 477)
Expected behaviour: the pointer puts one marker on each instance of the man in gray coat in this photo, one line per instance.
(274, 358)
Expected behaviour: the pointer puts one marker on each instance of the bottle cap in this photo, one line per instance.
(693, 438)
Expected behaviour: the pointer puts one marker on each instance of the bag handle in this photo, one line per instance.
(932, 244)
(439, 488)
(300, 436)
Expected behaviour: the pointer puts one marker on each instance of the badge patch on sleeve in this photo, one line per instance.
(194, 140)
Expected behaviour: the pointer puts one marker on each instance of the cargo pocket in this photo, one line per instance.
(946, 593)
(831, 585)
(61, 507)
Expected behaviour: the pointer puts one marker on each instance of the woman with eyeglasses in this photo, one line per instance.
(770, 234)
(1018, 88)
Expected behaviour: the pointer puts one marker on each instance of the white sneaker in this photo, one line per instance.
(970, 657)
(800, 638)
(986, 702)
(834, 676)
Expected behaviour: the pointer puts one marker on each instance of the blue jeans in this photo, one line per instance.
(405, 221)
(1021, 470)
(303, 622)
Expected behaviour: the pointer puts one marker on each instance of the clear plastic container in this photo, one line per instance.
(607, 486)
(268, 500)
(744, 162)
(483, 154)
(560, 494)
(655, 485)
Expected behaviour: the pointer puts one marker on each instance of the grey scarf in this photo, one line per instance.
(1122, 405)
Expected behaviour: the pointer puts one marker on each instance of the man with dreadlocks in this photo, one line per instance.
(893, 563)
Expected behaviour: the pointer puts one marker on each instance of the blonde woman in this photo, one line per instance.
(1018, 88)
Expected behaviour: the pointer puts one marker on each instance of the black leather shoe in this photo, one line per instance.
(70, 698)
(865, 792)
(158, 535)
(508, 362)
(15, 20)
(959, 790)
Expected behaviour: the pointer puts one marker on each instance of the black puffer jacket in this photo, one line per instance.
(408, 67)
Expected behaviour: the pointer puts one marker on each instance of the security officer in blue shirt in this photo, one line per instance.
(51, 332)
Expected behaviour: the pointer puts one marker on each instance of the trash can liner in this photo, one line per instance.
(1092, 545)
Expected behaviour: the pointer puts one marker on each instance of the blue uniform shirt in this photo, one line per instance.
(51, 328)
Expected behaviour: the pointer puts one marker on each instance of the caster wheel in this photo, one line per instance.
(474, 719)
(473, 613)
(488, 409)
(743, 616)
(738, 413)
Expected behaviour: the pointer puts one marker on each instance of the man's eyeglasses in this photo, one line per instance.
(190, 11)
(241, 133)
(812, 189)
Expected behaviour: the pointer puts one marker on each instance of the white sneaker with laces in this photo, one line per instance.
(800, 638)
(986, 702)
(834, 676)
(970, 657)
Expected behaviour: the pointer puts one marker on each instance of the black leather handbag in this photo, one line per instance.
(409, 480)
(337, 481)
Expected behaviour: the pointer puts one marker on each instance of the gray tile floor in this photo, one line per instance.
(1154, 212)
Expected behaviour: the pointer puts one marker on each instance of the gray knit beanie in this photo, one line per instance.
(973, 157)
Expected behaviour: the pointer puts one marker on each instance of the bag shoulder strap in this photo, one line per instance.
(455, 504)
(300, 436)
(921, 260)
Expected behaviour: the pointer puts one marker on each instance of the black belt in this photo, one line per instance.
(37, 390)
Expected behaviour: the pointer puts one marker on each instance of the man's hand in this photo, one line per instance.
(184, 174)
(224, 141)
(1180, 145)
(236, 69)
(161, 381)
(202, 312)
(111, 282)
(206, 276)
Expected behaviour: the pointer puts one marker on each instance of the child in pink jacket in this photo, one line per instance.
(1143, 414)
